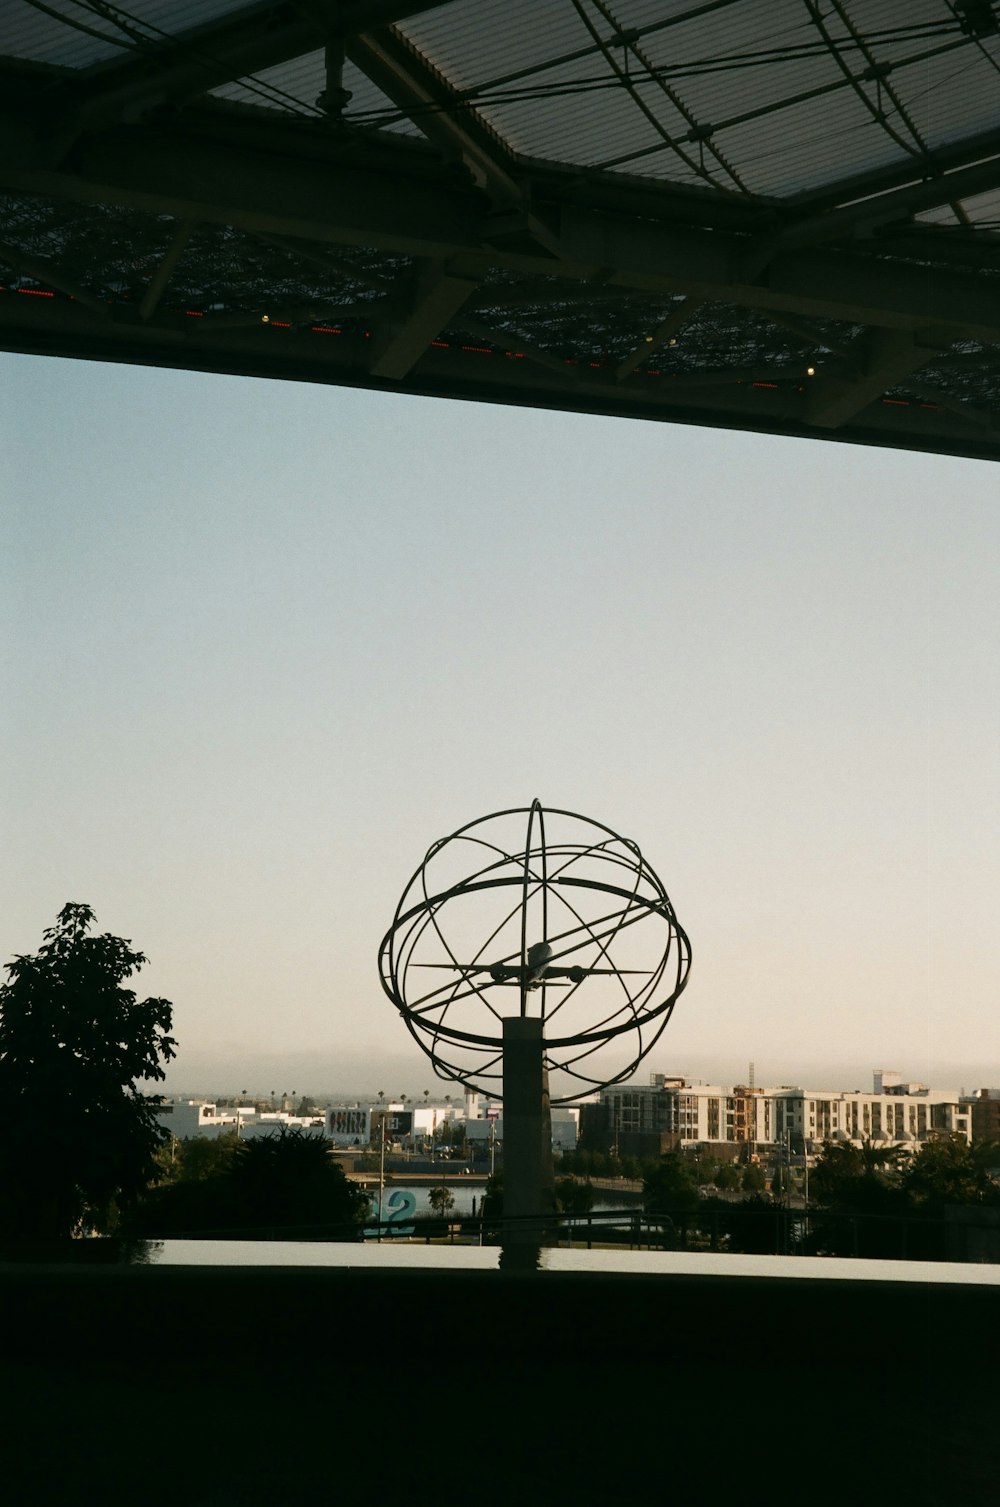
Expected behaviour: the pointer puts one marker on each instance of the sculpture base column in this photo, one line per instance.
(527, 1134)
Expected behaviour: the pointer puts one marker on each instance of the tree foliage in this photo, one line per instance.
(80, 1137)
(951, 1171)
(752, 1179)
(492, 1204)
(857, 1179)
(750, 1225)
(196, 1158)
(441, 1199)
(573, 1196)
(282, 1183)
(670, 1187)
(886, 1201)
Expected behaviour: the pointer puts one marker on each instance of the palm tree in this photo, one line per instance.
(876, 1158)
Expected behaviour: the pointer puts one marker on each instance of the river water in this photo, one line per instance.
(464, 1194)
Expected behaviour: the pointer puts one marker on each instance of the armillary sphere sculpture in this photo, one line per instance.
(534, 940)
(545, 915)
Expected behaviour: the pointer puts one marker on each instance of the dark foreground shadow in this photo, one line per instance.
(195, 1384)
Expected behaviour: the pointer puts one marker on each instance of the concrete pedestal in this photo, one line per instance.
(527, 1133)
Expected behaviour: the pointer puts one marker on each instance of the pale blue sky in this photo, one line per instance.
(264, 643)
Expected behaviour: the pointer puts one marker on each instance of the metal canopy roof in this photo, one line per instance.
(781, 215)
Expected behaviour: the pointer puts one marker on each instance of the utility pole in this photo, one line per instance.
(381, 1177)
(751, 1118)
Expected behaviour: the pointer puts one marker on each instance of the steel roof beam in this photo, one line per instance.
(196, 61)
(867, 215)
(664, 332)
(510, 342)
(437, 299)
(203, 58)
(157, 285)
(269, 312)
(889, 356)
(835, 285)
(44, 270)
(424, 95)
(946, 158)
(59, 327)
(191, 174)
(427, 99)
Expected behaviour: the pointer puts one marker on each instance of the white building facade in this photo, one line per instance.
(185, 1118)
(697, 1115)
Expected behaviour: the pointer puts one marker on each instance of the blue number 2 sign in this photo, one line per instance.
(401, 1204)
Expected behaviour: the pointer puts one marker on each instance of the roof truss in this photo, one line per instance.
(452, 264)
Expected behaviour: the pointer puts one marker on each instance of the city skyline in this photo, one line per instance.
(365, 1084)
(266, 643)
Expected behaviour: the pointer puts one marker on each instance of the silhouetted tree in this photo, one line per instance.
(284, 1183)
(492, 1204)
(79, 1137)
(752, 1179)
(861, 1188)
(670, 1187)
(197, 1157)
(950, 1171)
(727, 1177)
(573, 1196)
(750, 1225)
(857, 1179)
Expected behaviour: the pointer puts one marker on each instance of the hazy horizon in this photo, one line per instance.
(324, 1078)
(265, 644)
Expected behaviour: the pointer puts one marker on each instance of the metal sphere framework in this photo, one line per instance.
(540, 913)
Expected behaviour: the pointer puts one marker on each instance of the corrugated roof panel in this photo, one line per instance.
(32, 35)
(556, 111)
(950, 92)
(872, 17)
(729, 55)
(953, 96)
(782, 138)
(291, 87)
(368, 105)
(586, 127)
(294, 87)
(369, 108)
(473, 41)
(735, 60)
(576, 111)
(943, 215)
(83, 37)
(732, 37)
(984, 209)
(812, 143)
(541, 115)
(710, 105)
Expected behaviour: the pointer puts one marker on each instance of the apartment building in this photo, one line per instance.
(985, 1109)
(744, 1117)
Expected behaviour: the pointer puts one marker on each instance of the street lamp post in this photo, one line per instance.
(381, 1176)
